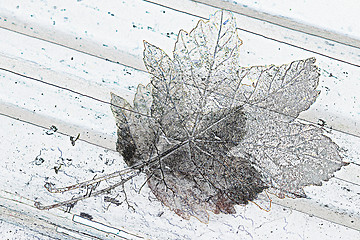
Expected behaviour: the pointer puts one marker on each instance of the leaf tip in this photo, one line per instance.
(183, 33)
(113, 97)
(147, 45)
(312, 59)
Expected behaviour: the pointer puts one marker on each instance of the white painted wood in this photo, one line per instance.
(324, 18)
(10, 231)
(76, 62)
(339, 17)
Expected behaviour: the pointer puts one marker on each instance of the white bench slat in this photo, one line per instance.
(314, 17)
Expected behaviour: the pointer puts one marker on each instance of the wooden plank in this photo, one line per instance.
(105, 140)
(25, 226)
(23, 142)
(11, 231)
(297, 17)
(54, 103)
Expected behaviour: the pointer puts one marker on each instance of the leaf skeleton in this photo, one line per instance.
(210, 134)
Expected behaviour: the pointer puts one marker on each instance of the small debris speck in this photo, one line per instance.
(86, 215)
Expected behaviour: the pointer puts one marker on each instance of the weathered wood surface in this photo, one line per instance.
(54, 72)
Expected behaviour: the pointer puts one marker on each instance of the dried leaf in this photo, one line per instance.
(289, 155)
(211, 134)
